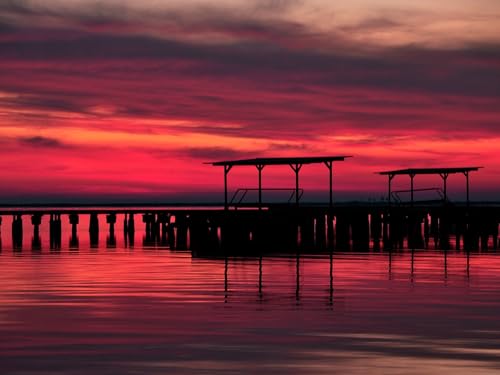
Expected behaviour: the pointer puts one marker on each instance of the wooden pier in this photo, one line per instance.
(257, 228)
(277, 228)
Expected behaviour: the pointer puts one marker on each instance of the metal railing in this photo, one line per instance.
(240, 194)
(397, 198)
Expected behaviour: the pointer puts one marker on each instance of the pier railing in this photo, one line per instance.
(396, 194)
(240, 194)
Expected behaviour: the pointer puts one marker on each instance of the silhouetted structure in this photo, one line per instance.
(94, 230)
(295, 163)
(17, 232)
(55, 231)
(36, 243)
(443, 172)
(74, 220)
(262, 229)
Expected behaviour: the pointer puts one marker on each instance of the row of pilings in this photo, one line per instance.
(346, 229)
(286, 229)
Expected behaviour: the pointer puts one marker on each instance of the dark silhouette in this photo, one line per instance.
(94, 230)
(55, 231)
(17, 232)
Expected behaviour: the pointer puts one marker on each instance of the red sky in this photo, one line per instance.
(130, 98)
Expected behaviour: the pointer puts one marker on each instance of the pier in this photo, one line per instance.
(272, 228)
(256, 228)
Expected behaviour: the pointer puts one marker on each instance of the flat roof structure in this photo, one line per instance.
(443, 172)
(295, 163)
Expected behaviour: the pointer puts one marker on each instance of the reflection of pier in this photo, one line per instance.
(326, 283)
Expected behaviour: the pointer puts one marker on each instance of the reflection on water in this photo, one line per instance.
(110, 308)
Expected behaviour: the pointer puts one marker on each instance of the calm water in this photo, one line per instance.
(121, 310)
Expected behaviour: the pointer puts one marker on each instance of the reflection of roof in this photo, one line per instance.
(280, 161)
(415, 171)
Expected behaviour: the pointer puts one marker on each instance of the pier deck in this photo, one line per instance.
(275, 228)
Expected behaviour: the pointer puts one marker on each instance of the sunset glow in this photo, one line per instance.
(130, 98)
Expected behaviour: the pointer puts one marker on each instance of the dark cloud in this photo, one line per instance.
(57, 102)
(209, 154)
(279, 147)
(470, 72)
(41, 142)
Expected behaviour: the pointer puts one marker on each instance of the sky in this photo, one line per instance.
(128, 99)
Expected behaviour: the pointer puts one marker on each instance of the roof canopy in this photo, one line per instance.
(415, 171)
(280, 161)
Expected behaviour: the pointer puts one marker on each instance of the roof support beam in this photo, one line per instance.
(412, 176)
(227, 168)
(296, 168)
(260, 167)
(466, 174)
(389, 193)
(329, 165)
(444, 176)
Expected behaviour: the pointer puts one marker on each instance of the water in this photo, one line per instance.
(122, 310)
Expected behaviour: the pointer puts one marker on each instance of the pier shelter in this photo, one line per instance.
(443, 172)
(295, 163)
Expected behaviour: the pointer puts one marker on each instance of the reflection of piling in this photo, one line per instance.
(36, 243)
(129, 229)
(360, 232)
(330, 229)
(343, 229)
(94, 230)
(321, 232)
(181, 223)
(460, 229)
(163, 221)
(386, 231)
(434, 232)
(74, 220)
(111, 220)
(149, 235)
(199, 231)
(444, 230)
(426, 231)
(171, 232)
(376, 229)
(415, 235)
(55, 231)
(17, 232)
(307, 227)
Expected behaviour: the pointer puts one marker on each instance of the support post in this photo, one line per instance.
(444, 176)
(412, 176)
(466, 174)
(389, 193)
(296, 168)
(329, 165)
(227, 168)
(260, 167)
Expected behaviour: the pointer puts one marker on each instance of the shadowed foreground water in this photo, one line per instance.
(144, 310)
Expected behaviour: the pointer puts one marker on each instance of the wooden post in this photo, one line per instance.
(329, 165)
(296, 168)
(227, 168)
(260, 167)
(412, 176)
(466, 174)
(444, 176)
